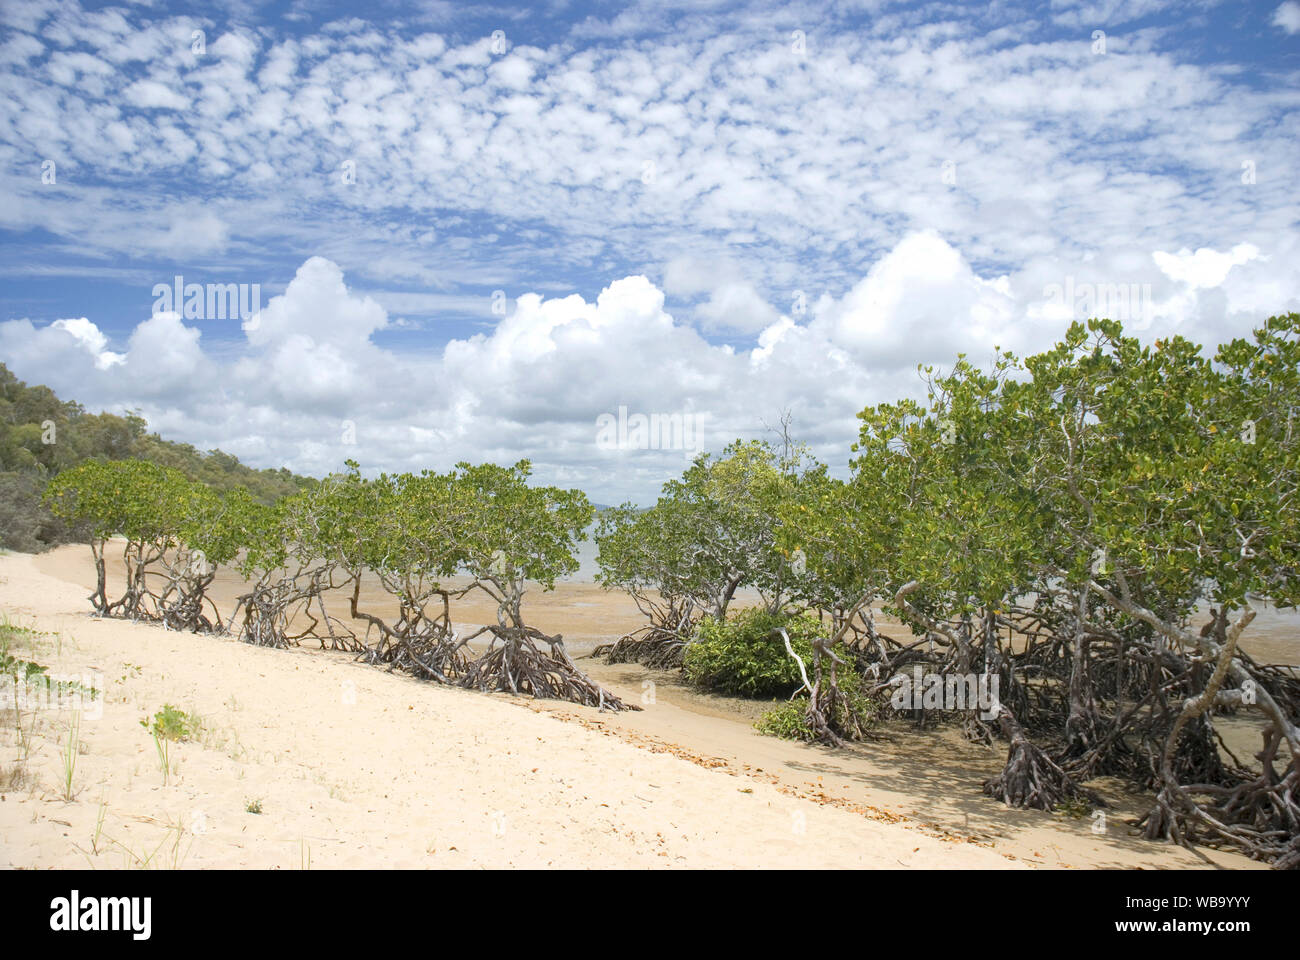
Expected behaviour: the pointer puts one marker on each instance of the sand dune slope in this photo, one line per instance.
(355, 767)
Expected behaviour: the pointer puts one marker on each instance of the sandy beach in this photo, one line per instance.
(352, 766)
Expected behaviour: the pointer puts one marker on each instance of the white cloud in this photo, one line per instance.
(165, 361)
(733, 304)
(90, 338)
(150, 93)
(536, 382)
(20, 48)
(1206, 267)
(317, 305)
(513, 71)
(737, 306)
(924, 181)
(922, 301)
(1287, 16)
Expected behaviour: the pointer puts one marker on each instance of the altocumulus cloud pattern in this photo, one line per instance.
(476, 229)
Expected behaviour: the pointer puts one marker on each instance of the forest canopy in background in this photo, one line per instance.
(41, 435)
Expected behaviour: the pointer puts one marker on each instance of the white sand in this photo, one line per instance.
(356, 767)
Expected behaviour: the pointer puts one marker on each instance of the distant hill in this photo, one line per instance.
(28, 459)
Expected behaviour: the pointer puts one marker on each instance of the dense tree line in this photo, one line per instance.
(1093, 527)
(427, 540)
(41, 435)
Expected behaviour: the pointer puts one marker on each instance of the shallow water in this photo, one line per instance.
(1274, 636)
(589, 614)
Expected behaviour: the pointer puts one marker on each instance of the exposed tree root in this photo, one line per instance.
(1259, 815)
(431, 653)
(1031, 778)
(274, 604)
(266, 615)
(651, 646)
(513, 663)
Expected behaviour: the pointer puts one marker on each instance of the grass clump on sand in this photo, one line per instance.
(170, 725)
(1076, 808)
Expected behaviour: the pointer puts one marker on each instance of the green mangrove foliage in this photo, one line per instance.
(710, 533)
(1087, 533)
(426, 539)
(174, 533)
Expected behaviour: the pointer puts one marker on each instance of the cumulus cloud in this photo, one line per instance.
(67, 351)
(733, 304)
(91, 339)
(317, 306)
(310, 376)
(923, 301)
(1206, 267)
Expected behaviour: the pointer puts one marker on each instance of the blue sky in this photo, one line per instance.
(714, 210)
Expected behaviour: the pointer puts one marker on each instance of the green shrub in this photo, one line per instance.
(744, 655)
(789, 721)
(786, 721)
